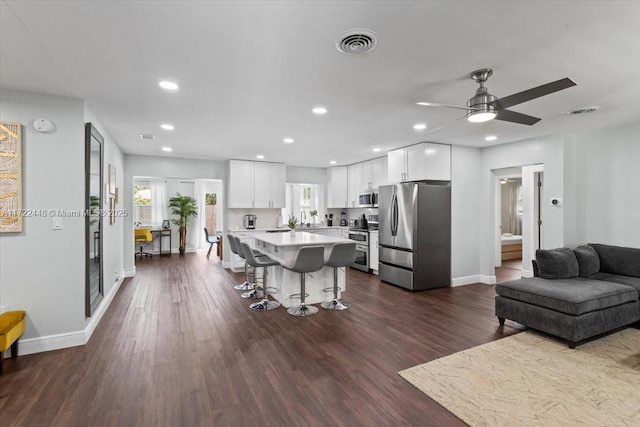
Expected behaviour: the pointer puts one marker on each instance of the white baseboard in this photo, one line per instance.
(70, 339)
(130, 272)
(527, 273)
(469, 280)
(102, 308)
(52, 342)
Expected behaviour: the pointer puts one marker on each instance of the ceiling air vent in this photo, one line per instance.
(147, 137)
(357, 41)
(585, 110)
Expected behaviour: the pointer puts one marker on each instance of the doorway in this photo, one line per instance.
(518, 220)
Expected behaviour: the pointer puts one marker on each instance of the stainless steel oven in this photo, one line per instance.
(361, 237)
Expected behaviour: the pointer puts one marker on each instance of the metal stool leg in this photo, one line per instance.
(303, 310)
(246, 286)
(265, 304)
(335, 304)
(255, 291)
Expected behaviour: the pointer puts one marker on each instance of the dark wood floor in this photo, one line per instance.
(510, 270)
(179, 347)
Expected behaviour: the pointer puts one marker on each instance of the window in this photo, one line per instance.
(302, 201)
(142, 204)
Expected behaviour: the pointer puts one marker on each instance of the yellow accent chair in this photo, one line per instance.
(144, 237)
(11, 328)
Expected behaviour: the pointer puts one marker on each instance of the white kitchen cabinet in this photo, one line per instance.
(241, 184)
(344, 233)
(338, 187)
(256, 184)
(437, 162)
(278, 185)
(379, 174)
(414, 163)
(262, 185)
(366, 182)
(373, 250)
(354, 176)
(397, 165)
(424, 161)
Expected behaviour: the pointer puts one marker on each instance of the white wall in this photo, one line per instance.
(466, 205)
(173, 169)
(608, 186)
(548, 151)
(42, 271)
(303, 175)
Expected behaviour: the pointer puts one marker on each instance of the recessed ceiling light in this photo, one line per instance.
(420, 126)
(375, 150)
(168, 85)
(319, 110)
(490, 138)
(167, 126)
(288, 140)
(259, 156)
(167, 149)
(333, 162)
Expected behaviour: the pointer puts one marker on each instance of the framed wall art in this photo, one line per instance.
(10, 178)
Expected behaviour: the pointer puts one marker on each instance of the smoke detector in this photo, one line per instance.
(357, 41)
(585, 110)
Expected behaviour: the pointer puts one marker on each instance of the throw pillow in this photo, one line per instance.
(560, 263)
(588, 260)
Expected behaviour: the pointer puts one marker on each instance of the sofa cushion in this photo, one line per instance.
(618, 259)
(560, 263)
(588, 260)
(571, 296)
(616, 278)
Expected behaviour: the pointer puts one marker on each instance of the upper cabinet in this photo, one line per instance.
(424, 161)
(379, 172)
(338, 188)
(256, 184)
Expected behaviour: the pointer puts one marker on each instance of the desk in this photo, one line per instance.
(159, 234)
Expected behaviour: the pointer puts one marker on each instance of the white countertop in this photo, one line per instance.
(283, 229)
(301, 238)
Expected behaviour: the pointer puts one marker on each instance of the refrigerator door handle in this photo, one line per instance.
(394, 216)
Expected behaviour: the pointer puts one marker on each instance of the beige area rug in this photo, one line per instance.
(529, 380)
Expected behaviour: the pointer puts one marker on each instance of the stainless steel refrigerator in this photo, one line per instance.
(415, 235)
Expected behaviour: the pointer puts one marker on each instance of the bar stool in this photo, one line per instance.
(342, 255)
(252, 291)
(264, 262)
(233, 245)
(310, 259)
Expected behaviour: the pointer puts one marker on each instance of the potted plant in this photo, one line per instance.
(184, 207)
(314, 216)
(293, 223)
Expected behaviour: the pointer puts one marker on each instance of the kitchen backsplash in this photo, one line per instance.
(267, 218)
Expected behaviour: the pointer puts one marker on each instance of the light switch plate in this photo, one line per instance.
(56, 223)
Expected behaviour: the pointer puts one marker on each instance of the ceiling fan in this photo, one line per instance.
(483, 106)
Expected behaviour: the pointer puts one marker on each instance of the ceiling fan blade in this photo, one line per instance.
(433, 104)
(533, 93)
(512, 116)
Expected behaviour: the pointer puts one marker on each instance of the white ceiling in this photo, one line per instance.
(250, 72)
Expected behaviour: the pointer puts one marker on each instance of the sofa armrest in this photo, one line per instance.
(536, 272)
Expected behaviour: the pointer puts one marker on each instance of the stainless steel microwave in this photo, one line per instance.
(368, 199)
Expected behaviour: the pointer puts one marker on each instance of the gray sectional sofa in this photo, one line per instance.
(577, 293)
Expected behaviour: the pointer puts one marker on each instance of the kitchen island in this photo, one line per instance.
(284, 248)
